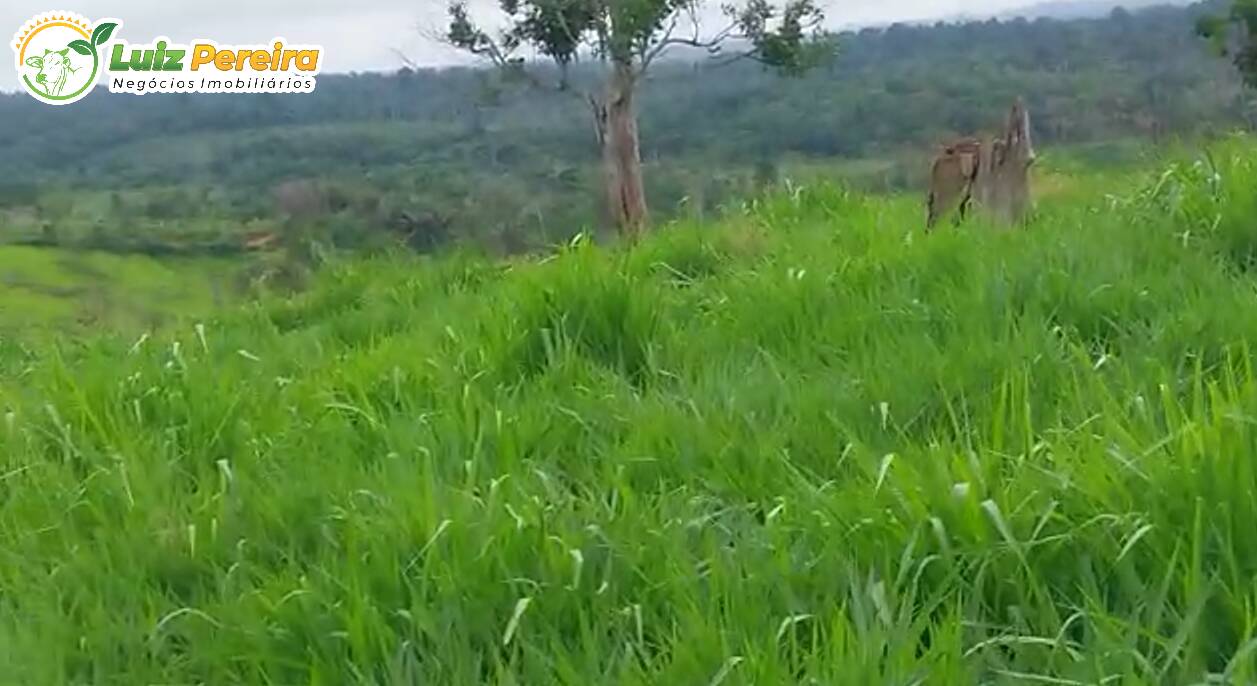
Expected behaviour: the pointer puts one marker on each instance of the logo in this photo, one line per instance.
(61, 56)
(58, 55)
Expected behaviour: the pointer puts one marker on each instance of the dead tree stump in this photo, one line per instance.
(952, 178)
(991, 176)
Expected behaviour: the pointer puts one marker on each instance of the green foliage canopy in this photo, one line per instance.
(1234, 34)
(635, 32)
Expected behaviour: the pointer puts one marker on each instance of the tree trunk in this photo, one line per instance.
(1002, 185)
(616, 120)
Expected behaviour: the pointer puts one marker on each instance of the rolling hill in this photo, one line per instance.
(805, 444)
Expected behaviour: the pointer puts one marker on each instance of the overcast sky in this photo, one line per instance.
(364, 35)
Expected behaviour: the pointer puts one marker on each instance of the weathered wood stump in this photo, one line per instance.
(992, 176)
(952, 178)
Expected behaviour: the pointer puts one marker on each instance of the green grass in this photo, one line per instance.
(48, 291)
(807, 445)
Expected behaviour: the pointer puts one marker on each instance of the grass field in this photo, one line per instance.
(47, 291)
(809, 444)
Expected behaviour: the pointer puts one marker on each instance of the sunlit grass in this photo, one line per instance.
(808, 444)
(50, 291)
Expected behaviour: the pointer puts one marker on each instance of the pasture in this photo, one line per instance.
(805, 443)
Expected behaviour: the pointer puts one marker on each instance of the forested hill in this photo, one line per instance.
(495, 155)
(1083, 9)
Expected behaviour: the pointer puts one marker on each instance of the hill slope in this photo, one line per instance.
(1084, 9)
(50, 291)
(484, 159)
(808, 444)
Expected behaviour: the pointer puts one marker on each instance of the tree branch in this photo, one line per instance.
(466, 36)
(405, 59)
(649, 53)
(749, 25)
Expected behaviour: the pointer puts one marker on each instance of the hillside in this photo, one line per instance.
(1084, 9)
(808, 444)
(50, 292)
(486, 161)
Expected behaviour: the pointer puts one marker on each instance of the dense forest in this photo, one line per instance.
(431, 156)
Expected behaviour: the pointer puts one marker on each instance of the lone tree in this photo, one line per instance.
(625, 38)
(1234, 35)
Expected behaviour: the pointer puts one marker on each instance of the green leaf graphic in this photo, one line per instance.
(81, 46)
(103, 32)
